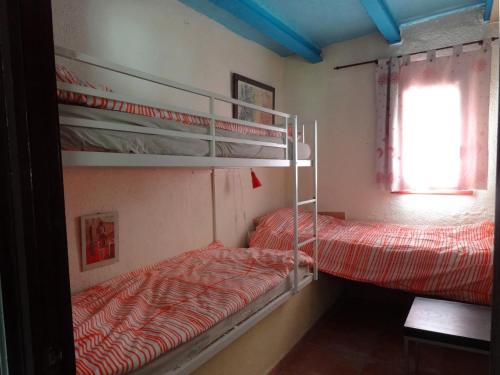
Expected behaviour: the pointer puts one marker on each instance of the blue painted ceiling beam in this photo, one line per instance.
(383, 19)
(488, 7)
(436, 16)
(262, 20)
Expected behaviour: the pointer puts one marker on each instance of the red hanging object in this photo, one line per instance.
(255, 181)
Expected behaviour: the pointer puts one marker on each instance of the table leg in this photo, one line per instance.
(417, 356)
(407, 355)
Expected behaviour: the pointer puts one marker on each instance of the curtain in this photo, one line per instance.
(432, 121)
(387, 76)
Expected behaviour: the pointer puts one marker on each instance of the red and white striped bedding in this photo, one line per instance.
(64, 75)
(449, 261)
(126, 322)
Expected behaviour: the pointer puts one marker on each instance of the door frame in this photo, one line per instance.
(495, 311)
(34, 265)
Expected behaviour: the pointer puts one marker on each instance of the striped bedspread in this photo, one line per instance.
(126, 322)
(64, 75)
(449, 261)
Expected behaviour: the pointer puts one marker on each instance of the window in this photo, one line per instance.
(431, 138)
(432, 122)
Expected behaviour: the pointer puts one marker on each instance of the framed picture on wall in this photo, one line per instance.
(253, 92)
(99, 240)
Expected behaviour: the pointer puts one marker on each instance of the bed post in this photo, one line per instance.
(214, 205)
(213, 151)
(287, 157)
(295, 182)
(315, 192)
(495, 310)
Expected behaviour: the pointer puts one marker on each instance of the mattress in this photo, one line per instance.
(128, 322)
(98, 100)
(97, 107)
(87, 139)
(454, 262)
(171, 361)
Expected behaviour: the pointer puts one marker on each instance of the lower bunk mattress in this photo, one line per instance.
(158, 317)
(102, 140)
(454, 262)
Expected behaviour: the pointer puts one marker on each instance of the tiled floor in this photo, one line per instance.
(361, 336)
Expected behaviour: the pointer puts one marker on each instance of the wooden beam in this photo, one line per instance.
(383, 19)
(488, 7)
(262, 20)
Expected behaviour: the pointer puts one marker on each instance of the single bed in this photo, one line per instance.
(159, 317)
(448, 261)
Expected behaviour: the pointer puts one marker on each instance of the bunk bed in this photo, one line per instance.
(101, 128)
(454, 262)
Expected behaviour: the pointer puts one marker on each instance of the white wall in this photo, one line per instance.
(163, 211)
(343, 101)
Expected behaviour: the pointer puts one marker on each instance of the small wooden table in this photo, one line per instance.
(445, 323)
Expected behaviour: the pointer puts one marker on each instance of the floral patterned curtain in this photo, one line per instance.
(432, 121)
(387, 85)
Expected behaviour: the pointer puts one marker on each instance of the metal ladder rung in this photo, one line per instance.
(309, 201)
(312, 239)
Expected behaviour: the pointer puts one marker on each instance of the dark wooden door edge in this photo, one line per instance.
(495, 321)
(34, 263)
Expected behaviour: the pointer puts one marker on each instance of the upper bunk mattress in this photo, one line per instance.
(448, 261)
(88, 139)
(127, 322)
(95, 107)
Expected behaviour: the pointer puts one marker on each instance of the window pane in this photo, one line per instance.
(431, 137)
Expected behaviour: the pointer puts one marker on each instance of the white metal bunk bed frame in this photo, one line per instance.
(109, 159)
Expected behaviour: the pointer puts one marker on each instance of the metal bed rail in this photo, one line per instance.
(236, 332)
(81, 57)
(311, 201)
(211, 115)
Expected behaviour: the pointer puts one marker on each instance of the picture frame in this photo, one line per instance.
(254, 92)
(99, 240)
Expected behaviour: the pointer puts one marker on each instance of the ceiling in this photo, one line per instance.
(304, 27)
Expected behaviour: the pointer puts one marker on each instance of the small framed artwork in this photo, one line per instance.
(99, 240)
(250, 91)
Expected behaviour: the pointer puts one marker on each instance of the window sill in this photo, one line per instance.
(436, 192)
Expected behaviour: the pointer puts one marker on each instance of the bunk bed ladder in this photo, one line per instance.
(296, 203)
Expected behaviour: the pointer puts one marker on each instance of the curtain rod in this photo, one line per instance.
(411, 54)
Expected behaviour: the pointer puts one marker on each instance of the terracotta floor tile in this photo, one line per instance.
(389, 348)
(465, 363)
(309, 358)
(365, 337)
(343, 341)
(379, 368)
